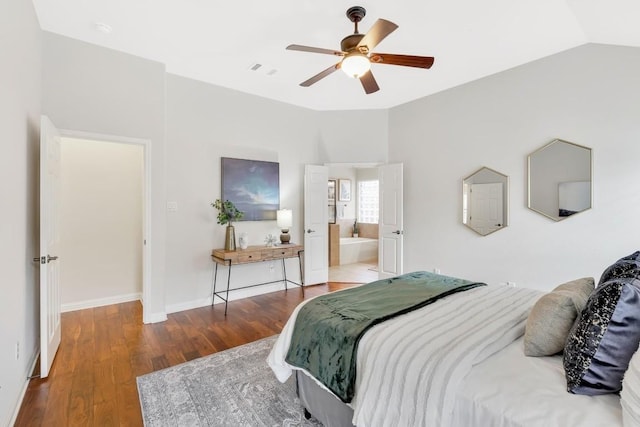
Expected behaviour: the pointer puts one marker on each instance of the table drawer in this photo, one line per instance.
(277, 253)
(249, 257)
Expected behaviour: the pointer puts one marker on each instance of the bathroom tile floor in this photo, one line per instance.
(361, 272)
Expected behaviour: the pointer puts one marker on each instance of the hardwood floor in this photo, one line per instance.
(103, 350)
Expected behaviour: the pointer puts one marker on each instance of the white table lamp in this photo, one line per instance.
(285, 221)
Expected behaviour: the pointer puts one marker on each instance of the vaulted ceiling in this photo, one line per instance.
(221, 42)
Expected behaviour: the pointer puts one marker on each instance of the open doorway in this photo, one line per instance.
(102, 226)
(353, 228)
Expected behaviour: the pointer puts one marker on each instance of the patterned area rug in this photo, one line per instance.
(235, 388)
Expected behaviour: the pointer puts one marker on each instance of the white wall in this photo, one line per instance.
(588, 95)
(205, 123)
(101, 91)
(101, 198)
(20, 74)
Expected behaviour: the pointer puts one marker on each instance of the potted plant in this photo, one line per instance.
(227, 213)
(355, 228)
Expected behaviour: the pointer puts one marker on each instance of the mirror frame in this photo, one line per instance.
(504, 179)
(539, 150)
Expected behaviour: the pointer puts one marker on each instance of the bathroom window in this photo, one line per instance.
(368, 202)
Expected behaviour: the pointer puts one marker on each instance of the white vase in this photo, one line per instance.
(243, 241)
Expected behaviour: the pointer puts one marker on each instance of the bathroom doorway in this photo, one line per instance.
(353, 228)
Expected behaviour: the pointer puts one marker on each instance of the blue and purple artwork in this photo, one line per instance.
(253, 186)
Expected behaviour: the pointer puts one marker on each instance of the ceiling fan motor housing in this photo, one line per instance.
(350, 42)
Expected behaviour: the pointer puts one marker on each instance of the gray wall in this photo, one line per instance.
(588, 95)
(20, 86)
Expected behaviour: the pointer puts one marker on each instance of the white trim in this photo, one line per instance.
(154, 317)
(99, 302)
(234, 294)
(32, 367)
(147, 288)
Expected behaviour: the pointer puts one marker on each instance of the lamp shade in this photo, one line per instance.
(284, 218)
(355, 64)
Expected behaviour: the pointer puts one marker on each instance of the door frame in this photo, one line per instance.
(147, 289)
(373, 165)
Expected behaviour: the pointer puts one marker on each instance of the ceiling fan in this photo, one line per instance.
(357, 56)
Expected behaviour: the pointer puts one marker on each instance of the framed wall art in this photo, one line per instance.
(344, 190)
(253, 186)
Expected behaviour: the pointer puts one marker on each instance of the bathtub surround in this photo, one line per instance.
(358, 250)
(368, 230)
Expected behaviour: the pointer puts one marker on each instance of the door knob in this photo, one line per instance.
(45, 260)
(397, 232)
(311, 231)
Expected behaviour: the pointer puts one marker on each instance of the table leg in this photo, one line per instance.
(226, 303)
(284, 274)
(215, 279)
(301, 273)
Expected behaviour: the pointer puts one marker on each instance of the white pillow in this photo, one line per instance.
(630, 394)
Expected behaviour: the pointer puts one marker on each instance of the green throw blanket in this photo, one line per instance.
(328, 328)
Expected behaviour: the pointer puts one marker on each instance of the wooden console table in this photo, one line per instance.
(250, 255)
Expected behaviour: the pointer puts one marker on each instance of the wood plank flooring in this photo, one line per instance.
(103, 350)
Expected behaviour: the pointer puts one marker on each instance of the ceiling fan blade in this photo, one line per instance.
(381, 29)
(369, 83)
(405, 60)
(315, 50)
(321, 75)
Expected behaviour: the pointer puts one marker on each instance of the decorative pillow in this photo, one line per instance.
(600, 345)
(630, 394)
(624, 267)
(553, 315)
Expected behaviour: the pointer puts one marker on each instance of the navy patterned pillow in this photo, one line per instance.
(602, 342)
(624, 267)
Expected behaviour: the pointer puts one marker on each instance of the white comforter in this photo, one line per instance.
(409, 368)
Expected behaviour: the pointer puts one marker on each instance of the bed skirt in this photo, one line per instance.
(325, 407)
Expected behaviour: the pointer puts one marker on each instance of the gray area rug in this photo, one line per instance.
(234, 387)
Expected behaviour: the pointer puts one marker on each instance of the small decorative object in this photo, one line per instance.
(243, 240)
(355, 228)
(270, 240)
(227, 213)
(284, 220)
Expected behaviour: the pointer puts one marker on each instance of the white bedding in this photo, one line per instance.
(495, 387)
(426, 353)
(509, 389)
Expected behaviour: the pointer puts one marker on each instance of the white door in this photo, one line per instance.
(316, 225)
(390, 239)
(486, 207)
(49, 241)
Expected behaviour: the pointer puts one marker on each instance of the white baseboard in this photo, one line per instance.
(32, 366)
(153, 317)
(118, 299)
(234, 294)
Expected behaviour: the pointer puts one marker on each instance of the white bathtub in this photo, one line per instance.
(358, 249)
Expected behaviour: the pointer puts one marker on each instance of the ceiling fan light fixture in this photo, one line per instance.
(355, 64)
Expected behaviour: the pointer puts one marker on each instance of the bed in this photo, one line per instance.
(457, 361)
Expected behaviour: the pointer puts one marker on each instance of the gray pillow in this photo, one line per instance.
(553, 316)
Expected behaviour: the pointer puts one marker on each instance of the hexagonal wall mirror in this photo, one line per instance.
(485, 201)
(560, 179)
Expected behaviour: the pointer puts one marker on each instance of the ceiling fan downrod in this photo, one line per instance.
(355, 15)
